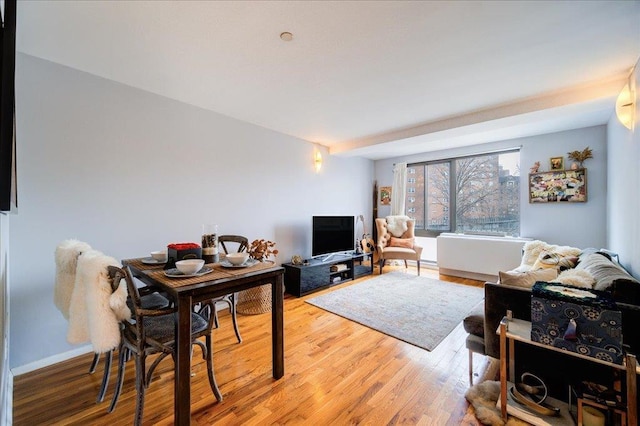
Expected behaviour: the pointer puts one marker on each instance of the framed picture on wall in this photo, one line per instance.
(558, 186)
(556, 163)
(385, 195)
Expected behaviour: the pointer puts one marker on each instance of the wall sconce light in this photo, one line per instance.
(626, 108)
(317, 161)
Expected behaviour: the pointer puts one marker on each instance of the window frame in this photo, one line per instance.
(452, 186)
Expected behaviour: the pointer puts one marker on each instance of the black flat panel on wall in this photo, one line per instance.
(7, 106)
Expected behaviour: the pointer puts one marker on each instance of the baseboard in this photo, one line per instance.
(469, 275)
(36, 365)
(7, 404)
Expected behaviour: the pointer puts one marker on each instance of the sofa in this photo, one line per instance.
(588, 268)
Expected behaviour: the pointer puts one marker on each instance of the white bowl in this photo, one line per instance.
(160, 255)
(237, 258)
(189, 266)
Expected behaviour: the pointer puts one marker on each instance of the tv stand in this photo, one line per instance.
(316, 274)
(329, 256)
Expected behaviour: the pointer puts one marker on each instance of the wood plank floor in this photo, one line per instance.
(336, 372)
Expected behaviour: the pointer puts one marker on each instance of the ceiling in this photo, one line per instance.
(373, 79)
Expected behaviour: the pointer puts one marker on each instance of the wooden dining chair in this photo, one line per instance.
(152, 332)
(150, 300)
(226, 242)
(67, 254)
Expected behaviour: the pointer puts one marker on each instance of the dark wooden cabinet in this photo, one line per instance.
(316, 274)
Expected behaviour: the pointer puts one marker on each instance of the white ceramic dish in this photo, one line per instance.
(152, 261)
(250, 262)
(160, 255)
(174, 273)
(189, 266)
(237, 258)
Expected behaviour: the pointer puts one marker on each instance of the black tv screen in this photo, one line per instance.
(8, 197)
(332, 234)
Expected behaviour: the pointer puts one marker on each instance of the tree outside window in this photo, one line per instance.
(482, 191)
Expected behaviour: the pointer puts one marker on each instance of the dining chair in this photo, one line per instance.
(74, 269)
(152, 332)
(227, 242)
(66, 257)
(96, 307)
(67, 254)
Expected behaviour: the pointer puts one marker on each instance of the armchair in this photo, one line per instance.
(399, 246)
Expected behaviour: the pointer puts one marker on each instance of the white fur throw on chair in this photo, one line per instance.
(96, 311)
(66, 257)
(397, 225)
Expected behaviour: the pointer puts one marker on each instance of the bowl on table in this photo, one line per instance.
(160, 255)
(237, 258)
(189, 266)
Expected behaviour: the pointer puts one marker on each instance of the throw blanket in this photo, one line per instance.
(535, 250)
(66, 258)
(397, 225)
(96, 310)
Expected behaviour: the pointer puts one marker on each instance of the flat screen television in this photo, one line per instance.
(332, 234)
(8, 197)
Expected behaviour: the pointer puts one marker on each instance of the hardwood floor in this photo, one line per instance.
(336, 372)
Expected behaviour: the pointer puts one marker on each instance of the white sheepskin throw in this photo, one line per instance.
(483, 397)
(66, 258)
(397, 225)
(96, 311)
(576, 278)
(533, 249)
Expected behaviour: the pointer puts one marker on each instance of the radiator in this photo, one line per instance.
(477, 256)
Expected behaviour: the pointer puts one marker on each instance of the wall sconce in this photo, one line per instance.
(317, 161)
(626, 108)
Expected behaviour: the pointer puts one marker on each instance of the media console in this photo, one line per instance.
(317, 274)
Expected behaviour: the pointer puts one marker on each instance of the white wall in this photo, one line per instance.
(6, 382)
(623, 199)
(129, 171)
(579, 224)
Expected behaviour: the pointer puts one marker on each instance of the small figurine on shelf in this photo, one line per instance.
(535, 167)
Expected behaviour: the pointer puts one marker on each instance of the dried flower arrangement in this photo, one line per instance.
(262, 249)
(580, 156)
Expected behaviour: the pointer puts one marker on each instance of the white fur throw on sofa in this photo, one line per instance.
(397, 225)
(95, 311)
(66, 258)
(533, 249)
(576, 278)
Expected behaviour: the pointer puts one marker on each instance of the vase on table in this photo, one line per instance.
(210, 243)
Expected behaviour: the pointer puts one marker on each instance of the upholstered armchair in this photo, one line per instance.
(396, 240)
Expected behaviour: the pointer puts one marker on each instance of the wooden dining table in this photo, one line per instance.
(188, 291)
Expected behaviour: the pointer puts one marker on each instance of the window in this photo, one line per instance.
(479, 194)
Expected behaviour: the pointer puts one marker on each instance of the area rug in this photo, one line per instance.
(418, 310)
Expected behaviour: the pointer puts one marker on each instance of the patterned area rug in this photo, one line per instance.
(418, 310)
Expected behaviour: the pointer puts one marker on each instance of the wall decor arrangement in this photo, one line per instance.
(385, 195)
(556, 163)
(579, 157)
(558, 186)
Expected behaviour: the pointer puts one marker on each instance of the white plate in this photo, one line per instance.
(152, 261)
(227, 264)
(174, 273)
